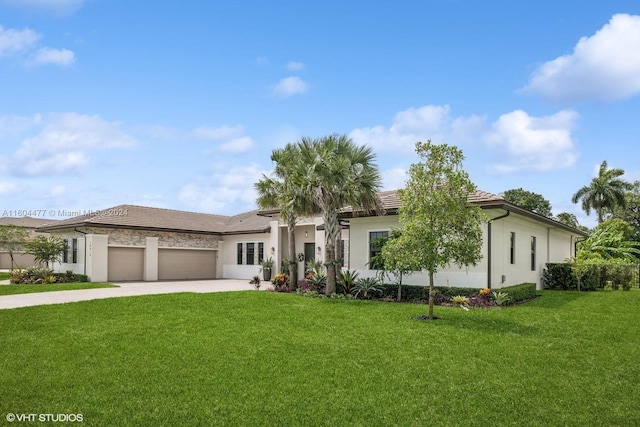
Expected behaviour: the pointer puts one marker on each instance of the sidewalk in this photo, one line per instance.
(125, 289)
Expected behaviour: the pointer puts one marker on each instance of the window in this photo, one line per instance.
(373, 248)
(65, 253)
(512, 250)
(239, 253)
(260, 252)
(250, 253)
(533, 253)
(74, 250)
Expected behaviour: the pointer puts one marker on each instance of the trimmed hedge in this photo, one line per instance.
(589, 277)
(516, 293)
(521, 292)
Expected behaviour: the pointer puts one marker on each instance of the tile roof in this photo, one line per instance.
(391, 202)
(132, 216)
(26, 221)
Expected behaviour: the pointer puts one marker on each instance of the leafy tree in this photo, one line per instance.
(631, 211)
(283, 191)
(609, 241)
(439, 226)
(46, 249)
(568, 219)
(605, 192)
(390, 261)
(12, 239)
(336, 173)
(528, 200)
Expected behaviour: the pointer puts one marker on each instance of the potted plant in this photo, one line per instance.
(266, 267)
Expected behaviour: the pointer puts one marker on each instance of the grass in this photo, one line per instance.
(263, 359)
(4, 275)
(29, 289)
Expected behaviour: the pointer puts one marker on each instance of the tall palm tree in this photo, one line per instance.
(606, 191)
(336, 172)
(282, 191)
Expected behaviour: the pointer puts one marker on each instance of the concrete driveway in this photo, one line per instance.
(126, 289)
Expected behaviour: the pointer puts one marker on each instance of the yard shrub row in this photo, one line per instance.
(521, 292)
(41, 275)
(589, 277)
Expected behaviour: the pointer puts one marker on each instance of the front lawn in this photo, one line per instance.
(4, 275)
(28, 289)
(265, 359)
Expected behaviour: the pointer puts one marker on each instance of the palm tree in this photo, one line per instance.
(568, 218)
(336, 173)
(606, 191)
(283, 192)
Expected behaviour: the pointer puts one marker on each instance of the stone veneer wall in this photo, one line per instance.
(166, 239)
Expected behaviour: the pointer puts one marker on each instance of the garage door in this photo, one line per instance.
(177, 264)
(20, 260)
(125, 264)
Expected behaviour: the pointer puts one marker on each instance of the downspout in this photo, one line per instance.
(489, 245)
(84, 267)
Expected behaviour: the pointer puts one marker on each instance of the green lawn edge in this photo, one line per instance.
(28, 289)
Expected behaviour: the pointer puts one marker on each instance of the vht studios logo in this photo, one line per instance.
(52, 418)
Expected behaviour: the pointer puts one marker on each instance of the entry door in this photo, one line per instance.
(309, 252)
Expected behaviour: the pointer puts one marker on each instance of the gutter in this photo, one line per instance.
(489, 245)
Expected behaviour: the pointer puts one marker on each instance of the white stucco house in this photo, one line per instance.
(130, 242)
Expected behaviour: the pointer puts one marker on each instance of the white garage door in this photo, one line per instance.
(125, 264)
(179, 264)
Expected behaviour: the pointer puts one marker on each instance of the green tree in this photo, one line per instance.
(336, 173)
(568, 218)
(631, 211)
(605, 192)
(283, 191)
(610, 240)
(528, 200)
(392, 260)
(12, 239)
(438, 224)
(46, 249)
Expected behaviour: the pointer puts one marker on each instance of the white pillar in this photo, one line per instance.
(150, 273)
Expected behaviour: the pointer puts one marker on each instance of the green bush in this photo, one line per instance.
(589, 277)
(559, 276)
(409, 292)
(521, 292)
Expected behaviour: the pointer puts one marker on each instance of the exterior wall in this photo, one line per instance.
(20, 260)
(79, 266)
(552, 245)
(231, 268)
(306, 232)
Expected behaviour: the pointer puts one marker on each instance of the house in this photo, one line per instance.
(516, 246)
(20, 258)
(129, 242)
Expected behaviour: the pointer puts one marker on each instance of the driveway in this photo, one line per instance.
(126, 289)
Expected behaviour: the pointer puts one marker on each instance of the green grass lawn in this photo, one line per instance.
(267, 359)
(4, 275)
(28, 289)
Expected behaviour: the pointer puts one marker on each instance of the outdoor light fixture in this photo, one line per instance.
(273, 250)
(319, 249)
(306, 234)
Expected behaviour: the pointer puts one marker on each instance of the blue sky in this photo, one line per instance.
(179, 104)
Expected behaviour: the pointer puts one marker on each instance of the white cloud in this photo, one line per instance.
(231, 139)
(56, 6)
(225, 191)
(394, 178)
(16, 41)
(13, 125)
(47, 55)
(218, 133)
(64, 143)
(420, 124)
(527, 143)
(290, 86)
(603, 67)
(295, 65)
(8, 188)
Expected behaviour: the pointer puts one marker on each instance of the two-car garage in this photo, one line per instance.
(127, 263)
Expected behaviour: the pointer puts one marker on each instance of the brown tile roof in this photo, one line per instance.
(391, 201)
(26, 221)
(131, 216)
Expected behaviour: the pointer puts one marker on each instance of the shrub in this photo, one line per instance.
(367, 287)
(317, 281)
(588, 277)
(500, 298)
(255, 282)
(347, 280)
(409, 292)
(280, 283)
(559, 276)
(521, 292)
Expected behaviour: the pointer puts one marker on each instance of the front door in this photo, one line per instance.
(309, 252)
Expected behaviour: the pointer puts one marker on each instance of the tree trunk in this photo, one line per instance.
(331, 230)
(431, 299)
(293, 257)
(400, 288)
